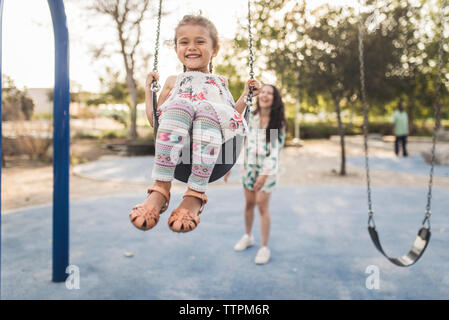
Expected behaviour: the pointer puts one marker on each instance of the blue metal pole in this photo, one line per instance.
(61, 143)
(1, 133)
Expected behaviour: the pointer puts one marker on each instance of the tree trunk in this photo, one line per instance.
(128, 16)
(341, 132)
(131, 83)
(297, 108)
(133, 93)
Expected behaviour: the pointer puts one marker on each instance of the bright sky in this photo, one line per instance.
(28, 49)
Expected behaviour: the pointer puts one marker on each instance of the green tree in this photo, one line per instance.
(127, 16)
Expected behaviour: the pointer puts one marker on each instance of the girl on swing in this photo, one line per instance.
(195, 101)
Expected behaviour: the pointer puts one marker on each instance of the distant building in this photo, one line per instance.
(40, 98)
(42, 103)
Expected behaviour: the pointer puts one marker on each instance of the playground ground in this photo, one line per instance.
(320, 246)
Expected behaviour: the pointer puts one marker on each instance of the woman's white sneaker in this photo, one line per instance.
(245, 242)
(263, 255)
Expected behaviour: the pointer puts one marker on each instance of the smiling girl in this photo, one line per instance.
(196, 103)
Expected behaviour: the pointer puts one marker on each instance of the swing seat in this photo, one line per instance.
(419, 246)
(229, 153)
(423, 237)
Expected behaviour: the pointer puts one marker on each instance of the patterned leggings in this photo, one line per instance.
(175, 123)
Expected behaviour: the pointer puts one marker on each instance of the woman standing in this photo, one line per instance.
(264, 142)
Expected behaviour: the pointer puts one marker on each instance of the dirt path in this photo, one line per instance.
(316, 163)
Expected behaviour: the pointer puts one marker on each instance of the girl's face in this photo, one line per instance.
(194, 47)
(266, 97)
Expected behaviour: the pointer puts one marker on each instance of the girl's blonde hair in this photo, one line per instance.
(201, 21)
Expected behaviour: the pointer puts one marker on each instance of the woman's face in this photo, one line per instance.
(266, 97)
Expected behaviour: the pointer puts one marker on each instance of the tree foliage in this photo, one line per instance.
(315, 55)
(127, 17)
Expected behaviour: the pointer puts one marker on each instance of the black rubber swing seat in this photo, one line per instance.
(230, 151)
(418, 248)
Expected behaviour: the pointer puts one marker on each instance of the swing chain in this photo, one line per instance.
(371, 220)
(365, 115)
(437, 111)
(249, 98)
(250, 43)
(427, 219)
(155, 86)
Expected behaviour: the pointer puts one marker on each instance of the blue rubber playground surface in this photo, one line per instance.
(319, 242)
(129, 169)
(138, 169)
(411, 164)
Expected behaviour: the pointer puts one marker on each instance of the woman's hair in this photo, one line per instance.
(201, 21)
(277, 113)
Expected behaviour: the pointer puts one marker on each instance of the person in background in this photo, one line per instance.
(264, 142)
(400, 123)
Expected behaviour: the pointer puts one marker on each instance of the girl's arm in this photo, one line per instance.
(240, 105)
(168, 86)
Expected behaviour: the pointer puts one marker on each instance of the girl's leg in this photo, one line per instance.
(250, 203)
(262, 201)
(173, 129)
(206, 143)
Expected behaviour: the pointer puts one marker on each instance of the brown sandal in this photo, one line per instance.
(145, 220)
(182, 219)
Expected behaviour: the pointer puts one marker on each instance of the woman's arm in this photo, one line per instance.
(168, 86)
(270, 163)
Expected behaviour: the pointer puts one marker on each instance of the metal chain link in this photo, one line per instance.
(365, 119)
(155, 86)
(249, 98)
(250, 42)
(437, 114)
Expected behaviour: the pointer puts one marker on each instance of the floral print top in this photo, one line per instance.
(204, 89)
(259, 154)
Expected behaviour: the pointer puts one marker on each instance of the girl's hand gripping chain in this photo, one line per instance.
(152, 76)
(255, 85)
